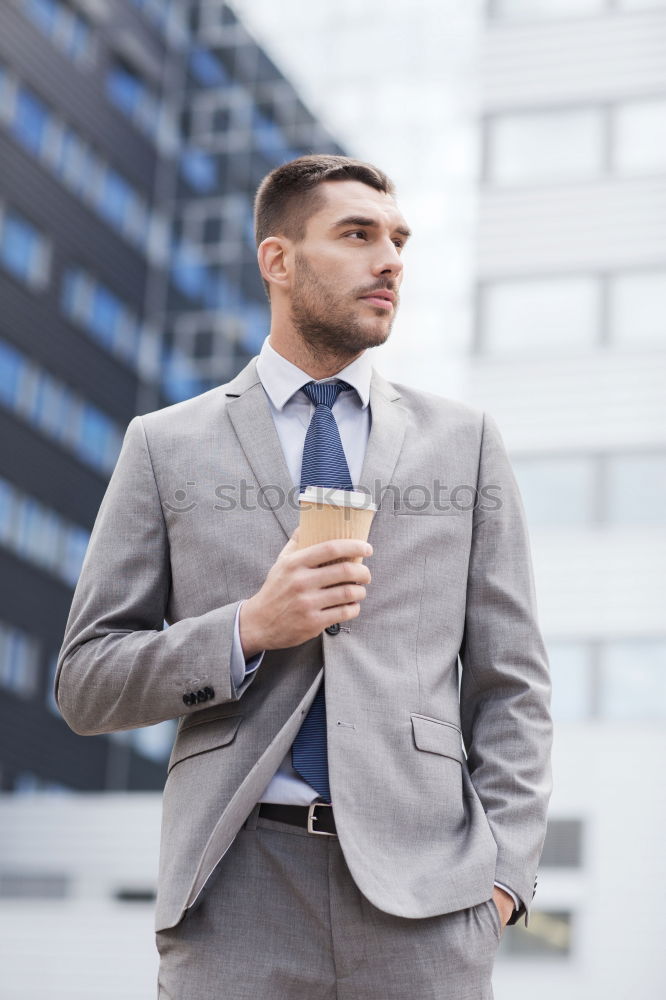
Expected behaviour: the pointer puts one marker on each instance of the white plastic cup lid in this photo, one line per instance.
(337, 498)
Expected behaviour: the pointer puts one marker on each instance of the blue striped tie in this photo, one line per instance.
(324, 464)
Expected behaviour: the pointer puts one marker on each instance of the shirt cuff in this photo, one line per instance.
(240, 667)
(516, 901)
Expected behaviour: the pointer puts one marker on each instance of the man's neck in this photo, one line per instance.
(317, 366)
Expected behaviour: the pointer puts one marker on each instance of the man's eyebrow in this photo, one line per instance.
(360, 220)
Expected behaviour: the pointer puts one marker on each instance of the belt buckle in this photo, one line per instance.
(312, 817)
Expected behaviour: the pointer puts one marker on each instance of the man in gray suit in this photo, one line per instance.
(369, 838)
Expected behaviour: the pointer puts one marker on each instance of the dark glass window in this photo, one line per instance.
(31, 117)
(207, 69)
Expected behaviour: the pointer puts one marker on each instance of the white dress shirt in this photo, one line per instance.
(292, 412)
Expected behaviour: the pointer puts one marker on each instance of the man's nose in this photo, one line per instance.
(389, 261)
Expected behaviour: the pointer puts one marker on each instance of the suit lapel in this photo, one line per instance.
(387, 433)
(250, 415)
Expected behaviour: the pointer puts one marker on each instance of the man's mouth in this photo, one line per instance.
(381, 298)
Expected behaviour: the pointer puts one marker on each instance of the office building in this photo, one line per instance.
(133, 134)
(568, 355)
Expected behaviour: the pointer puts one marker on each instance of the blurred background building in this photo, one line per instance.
(568, 354)
(528, 142)
(133, 135)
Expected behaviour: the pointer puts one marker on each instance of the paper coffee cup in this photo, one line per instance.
(328, 513)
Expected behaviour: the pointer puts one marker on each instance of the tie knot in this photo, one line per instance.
(324, 393)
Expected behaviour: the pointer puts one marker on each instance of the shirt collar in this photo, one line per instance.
(281, 379)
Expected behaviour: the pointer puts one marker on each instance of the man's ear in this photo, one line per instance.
(274, 257)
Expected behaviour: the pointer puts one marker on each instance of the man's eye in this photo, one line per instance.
(357, 232)
(399, 244)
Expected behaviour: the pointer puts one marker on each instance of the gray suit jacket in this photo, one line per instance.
(425, 825)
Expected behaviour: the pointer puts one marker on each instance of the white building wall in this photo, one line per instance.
(600, 583)
(84, 942)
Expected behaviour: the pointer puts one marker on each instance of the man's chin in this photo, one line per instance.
(378, 336)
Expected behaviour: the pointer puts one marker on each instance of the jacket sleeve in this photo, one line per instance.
(505, 683)
(118, 667)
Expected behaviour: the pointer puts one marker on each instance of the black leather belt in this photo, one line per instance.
(316, 818)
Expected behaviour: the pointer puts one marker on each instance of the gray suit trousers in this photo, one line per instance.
(282, 919)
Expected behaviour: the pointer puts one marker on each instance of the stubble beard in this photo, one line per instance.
(323, 321)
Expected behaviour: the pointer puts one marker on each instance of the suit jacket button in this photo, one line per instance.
(190, 698)
(333, 629)
(201, 696)
(209, 692)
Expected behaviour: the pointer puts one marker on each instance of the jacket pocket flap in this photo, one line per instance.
(435, 736)
(200, 738)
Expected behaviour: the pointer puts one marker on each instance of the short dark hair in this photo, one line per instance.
(288, 196)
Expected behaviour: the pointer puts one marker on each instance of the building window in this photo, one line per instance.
(530, 316)
(209, 341)
(538, 10)
(12, 369)
(269, 138)
(87, 175)
(110, 322)
(74, 545)
(57, 411)
(66, 27)
(24, 250)
(168, 16)
(199, 170)
(133, 96)
(548, 936)
(72, 161)
(633, 680)
(563, 847)
(638, 308)
(571, 672)
(98, 439)
(32, 885)
(558, 491)
(114, 198)
(19, 661)
(546, 147)
(40, 535)
(30, 121)
(640, 137)
(207, 69)
(646, 5)
(52, 670)
(635, 489)
(101, 313)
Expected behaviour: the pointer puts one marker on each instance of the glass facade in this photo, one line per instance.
(24, 250)
(44, 134)
(134, 136)
(65, 25)
(34, 531)
(19, 661)
(54, 409)
(110, 321)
